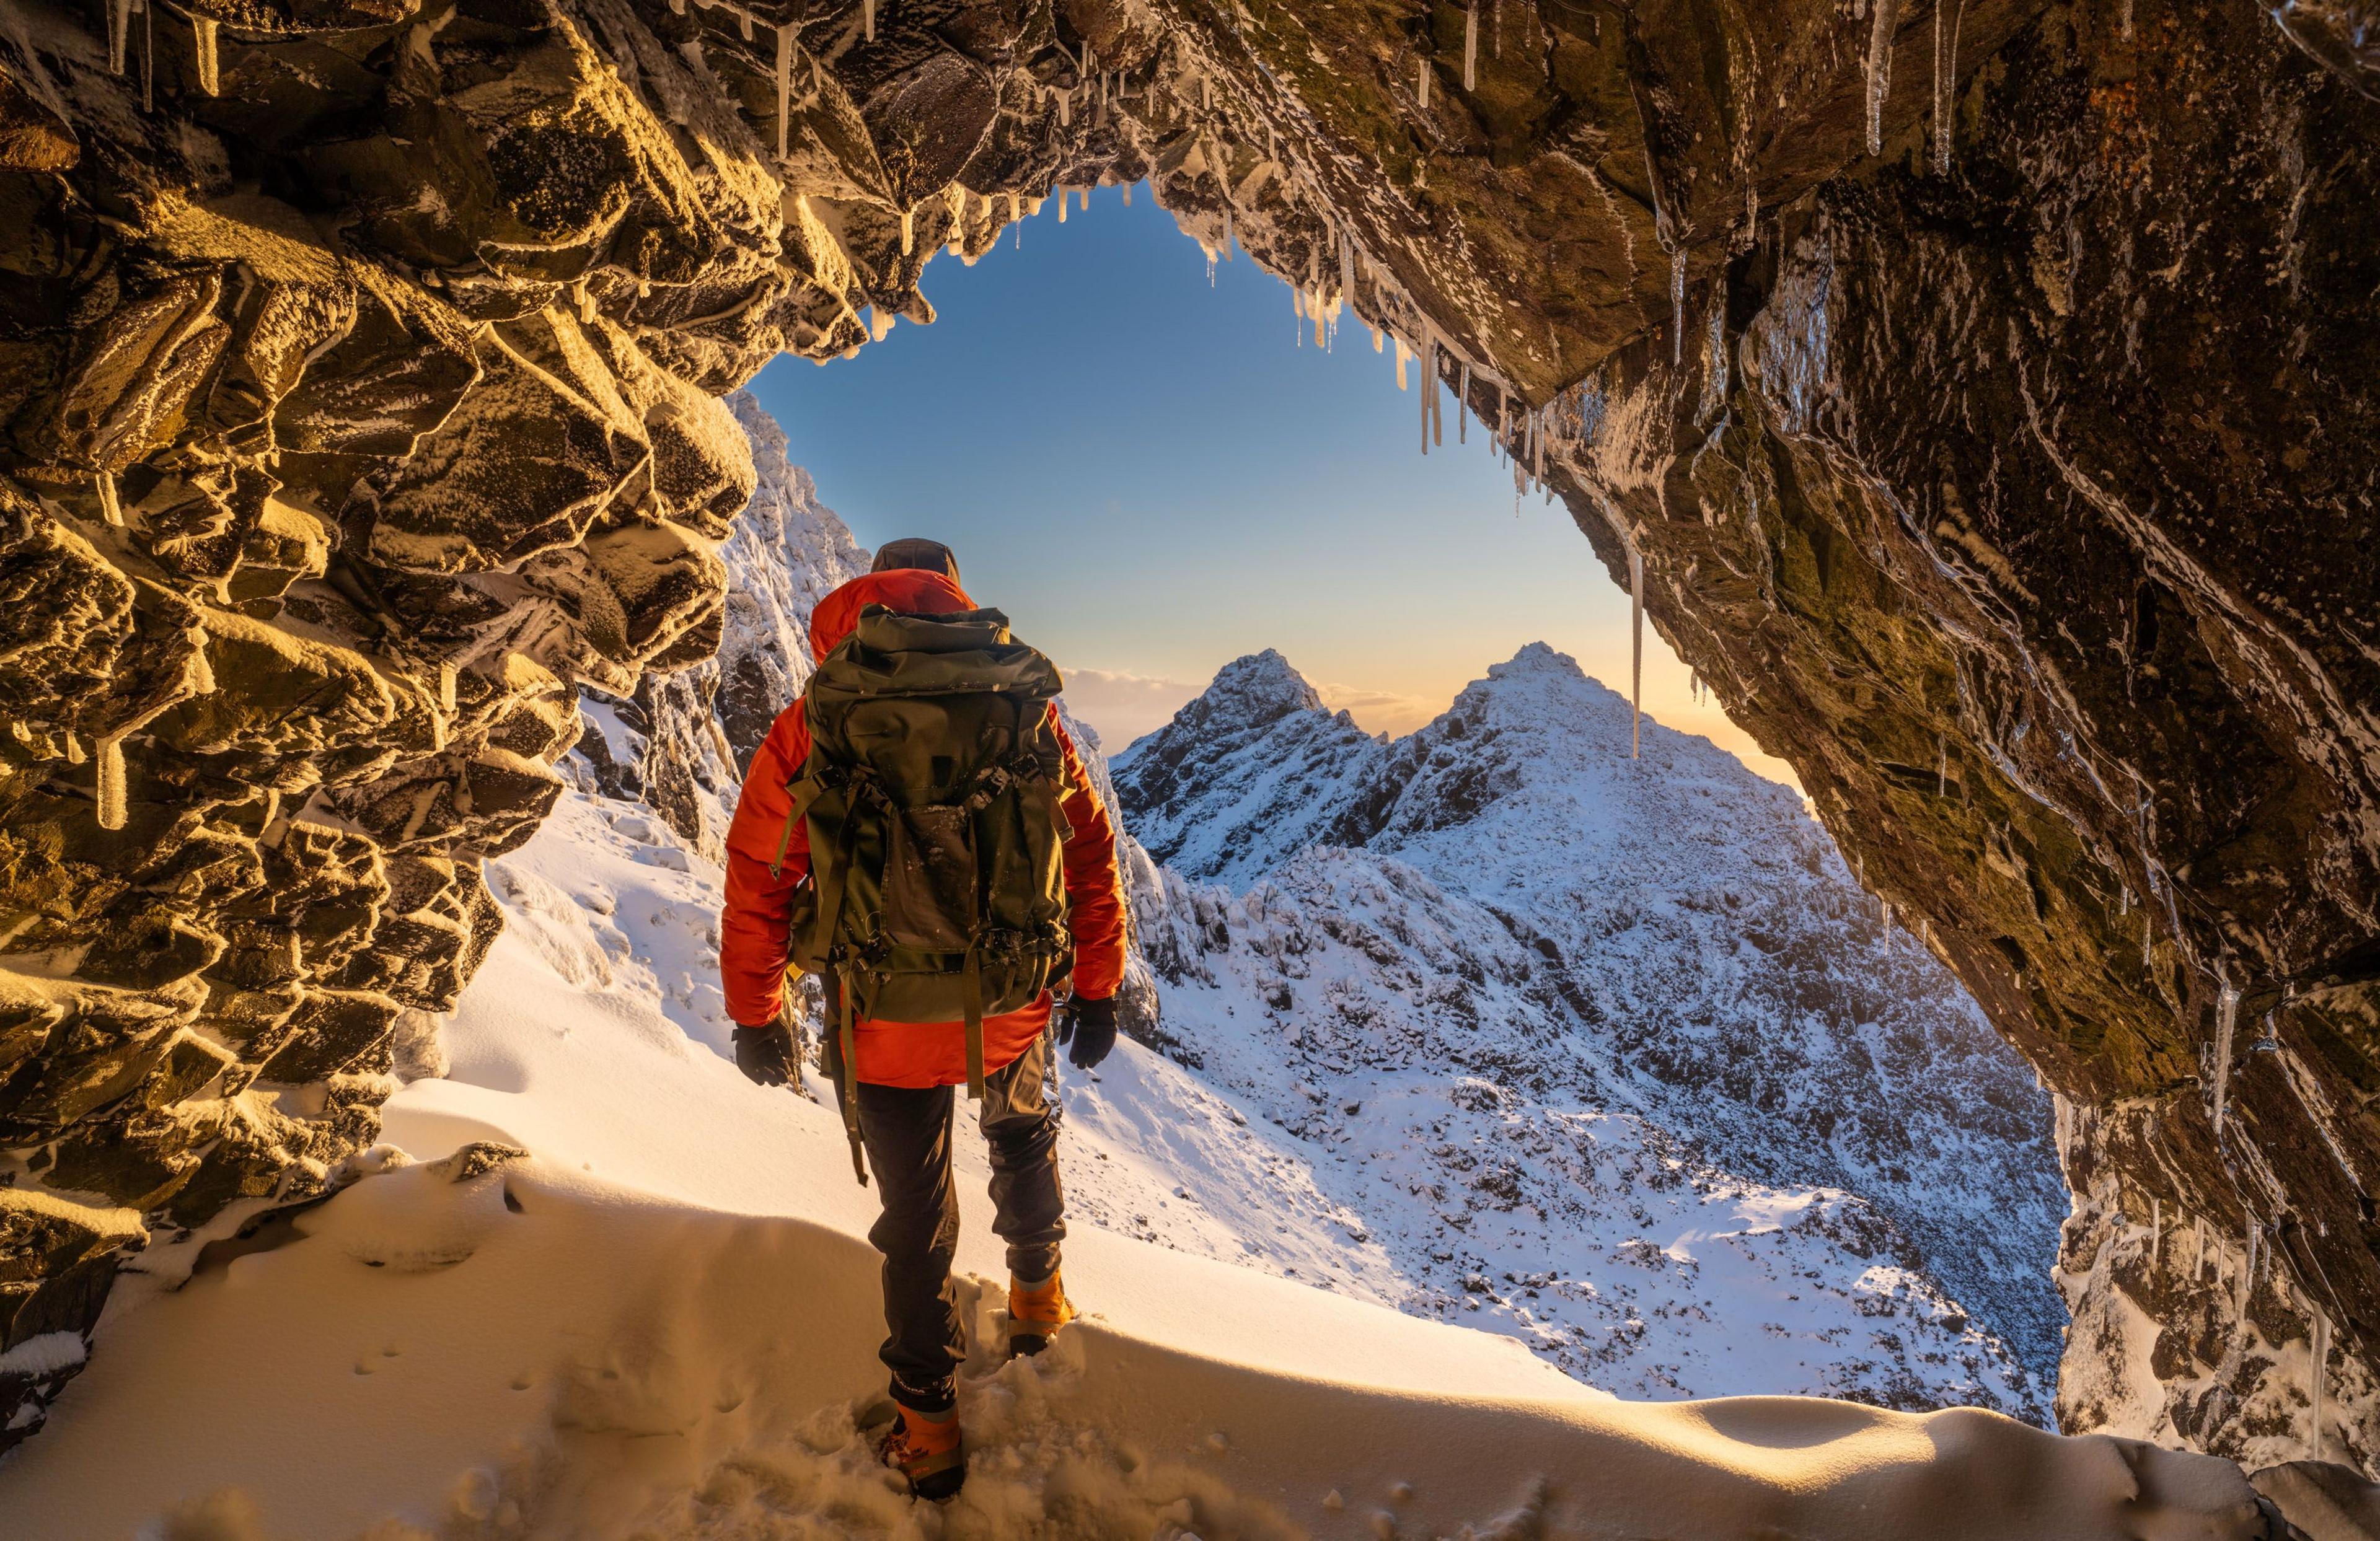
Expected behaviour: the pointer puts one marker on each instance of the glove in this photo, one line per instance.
(767, 1056)
(1090, 1028)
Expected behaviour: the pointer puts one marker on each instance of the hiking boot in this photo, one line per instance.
(925, 1447)
(1035, 1312)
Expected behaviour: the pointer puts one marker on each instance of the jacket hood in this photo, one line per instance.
(910, 590)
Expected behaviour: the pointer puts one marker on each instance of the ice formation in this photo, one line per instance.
(1635, 653)
(1884, 17)
(1678, 304)
(2227, 1015)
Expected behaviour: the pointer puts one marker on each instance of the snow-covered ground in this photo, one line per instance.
(658, 1322)
(594, 1284)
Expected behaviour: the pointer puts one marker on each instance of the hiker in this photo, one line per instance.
(917, 831)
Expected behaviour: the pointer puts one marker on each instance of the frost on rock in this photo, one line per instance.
(680, 744)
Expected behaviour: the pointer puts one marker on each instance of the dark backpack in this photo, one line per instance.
(932, 795)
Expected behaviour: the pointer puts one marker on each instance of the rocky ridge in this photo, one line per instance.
(1980, 388)
(1570, 989)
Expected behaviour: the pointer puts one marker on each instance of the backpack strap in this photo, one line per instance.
(974, 1005)
(847, 1040)
(838, 874)
(804, 790)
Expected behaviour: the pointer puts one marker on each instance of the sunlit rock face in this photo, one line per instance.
(361, 390)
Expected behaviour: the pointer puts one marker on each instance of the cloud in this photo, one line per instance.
(1385, 711)
(1122, 707)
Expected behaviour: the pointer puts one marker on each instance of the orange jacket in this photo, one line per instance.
(752, 932)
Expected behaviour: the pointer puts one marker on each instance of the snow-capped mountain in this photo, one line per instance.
(1614, 1051)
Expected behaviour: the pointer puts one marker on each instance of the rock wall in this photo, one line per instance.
(2012, 488)
(360, 405)
(683, 740)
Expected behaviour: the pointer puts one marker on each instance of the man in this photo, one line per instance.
(905, 1070)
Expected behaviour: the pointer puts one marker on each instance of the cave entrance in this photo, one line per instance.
(1150, 461)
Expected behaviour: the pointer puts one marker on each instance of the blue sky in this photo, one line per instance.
(1152, 476)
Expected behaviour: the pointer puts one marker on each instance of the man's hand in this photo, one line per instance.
(767, 1055)
(1090, 1028)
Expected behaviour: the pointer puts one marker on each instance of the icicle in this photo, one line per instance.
(785, 85)
(2147, 959)
(1433, 408)
(110, 508)
(2124, 904)
(1678, 305)
(1013, 208)
(1401, 356)
(2320, 1321)
(110, 783)
(2248, 1274)
(119, 34)
(1087, 198)
(1429, 383)
(1941, 766)
(203, 28)
(1421, 88)
(1498, 27)
(1946, 76)
(1537, 447)
(1636, 651)
(1463, 406)
(1885, 17)
(1062, 205)
(1503, 423)
(2227, 1015)
(1065, 113)
(908, 231)
(2156, 1229)
(1127, 195)
(867, 19)
(1346, 268)
(1471, 46)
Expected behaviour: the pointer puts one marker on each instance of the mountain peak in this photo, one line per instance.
(1536, 657)
(1260, 687)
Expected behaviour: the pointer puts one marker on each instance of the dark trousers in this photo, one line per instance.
(907, 1131)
